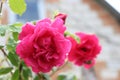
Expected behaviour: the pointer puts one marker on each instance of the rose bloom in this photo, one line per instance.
(43, 45)
(85, 52)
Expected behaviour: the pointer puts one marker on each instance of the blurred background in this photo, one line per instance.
(101, 17)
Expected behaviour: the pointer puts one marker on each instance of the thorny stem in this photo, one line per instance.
(58, 69)
(20, 71)
(41, 76)
(5, 54)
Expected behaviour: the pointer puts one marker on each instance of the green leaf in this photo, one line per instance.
(14, 28)
(11, 44)
(3, 29)
(25, 75)
(5, 70)
(29, 72)
(1, 46)
(17, 24)
(26, 71)
(15, 36)
(17, 6)
(15, 76)
(45, 77)
(36, 78)
(66, 76)
(74, 78)
(62, 77)
(13, 59)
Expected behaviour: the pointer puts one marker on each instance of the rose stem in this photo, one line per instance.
(5, 54)
(20, 69)
(41, 76)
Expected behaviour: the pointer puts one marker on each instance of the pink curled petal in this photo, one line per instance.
(72, 54)
(78, 62)
(40, 26)
(88, 66)
(72, 57)
(96, 50)
(63, 45)
(27, 29)
(94, 37)
(30, 61)
(42, 63)
(58, 24)
(80, 35)
(46, 67)
(25, 47)
(55, 56)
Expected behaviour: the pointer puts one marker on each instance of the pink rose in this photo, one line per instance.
(85, 52)
(43, 45)
(61, 16)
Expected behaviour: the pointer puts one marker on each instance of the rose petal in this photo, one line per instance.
(25, 47)
(59, 25)
(27, 29)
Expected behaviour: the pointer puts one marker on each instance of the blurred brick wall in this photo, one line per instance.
(101, 67)
(107, 18)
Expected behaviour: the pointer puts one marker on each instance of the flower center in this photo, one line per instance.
(85, 49)
(88, 62)
(46, 48)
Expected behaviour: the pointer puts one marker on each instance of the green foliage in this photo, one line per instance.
(36, 78)
(26, 72)
(15, 76)
(17, 6)
(73, 36)
(12, 41)
(1, 46)
(13, 59)
(3, 29)
(66, 77)
(74, 78)
(5, 70)
(21, 70)
(11, 44)
(62, 77)
(44, 76)
(15, 36)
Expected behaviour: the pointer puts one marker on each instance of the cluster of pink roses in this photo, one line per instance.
(44, 45)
